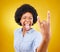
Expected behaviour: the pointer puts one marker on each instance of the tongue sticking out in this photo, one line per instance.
(27, 27)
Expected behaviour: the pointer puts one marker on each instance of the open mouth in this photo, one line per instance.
(27, 26)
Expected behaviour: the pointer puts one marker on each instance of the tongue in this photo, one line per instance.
(27, 27)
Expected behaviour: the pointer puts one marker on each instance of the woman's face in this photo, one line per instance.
(27, 20)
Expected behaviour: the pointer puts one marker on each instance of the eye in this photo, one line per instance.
(24, 17)
(30, 18)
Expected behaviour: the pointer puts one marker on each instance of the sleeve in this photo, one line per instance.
(15, 41)
(37, 41)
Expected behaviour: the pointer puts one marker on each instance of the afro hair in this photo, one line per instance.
(23, 9)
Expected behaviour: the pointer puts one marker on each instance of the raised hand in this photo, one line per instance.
(45, 27)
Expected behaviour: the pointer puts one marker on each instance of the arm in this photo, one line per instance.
(45, 30)
(43, 47)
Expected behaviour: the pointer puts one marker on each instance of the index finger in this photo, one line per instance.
(38, 20)
(48, 17)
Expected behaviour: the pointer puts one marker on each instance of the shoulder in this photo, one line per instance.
(37, 33)
(16, 31)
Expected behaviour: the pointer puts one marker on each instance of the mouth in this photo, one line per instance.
(27, 26)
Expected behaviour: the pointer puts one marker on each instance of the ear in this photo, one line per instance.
(20, 21)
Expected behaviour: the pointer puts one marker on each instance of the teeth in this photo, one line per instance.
(27, 24)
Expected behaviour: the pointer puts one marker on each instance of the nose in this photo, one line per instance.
(27, 19)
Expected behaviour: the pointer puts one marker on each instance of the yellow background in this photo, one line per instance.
(8, 25)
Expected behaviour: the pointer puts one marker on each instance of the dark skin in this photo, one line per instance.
(27, 21)
(45, 30)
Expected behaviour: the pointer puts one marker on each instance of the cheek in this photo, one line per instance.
(22, 21)
(31, 22)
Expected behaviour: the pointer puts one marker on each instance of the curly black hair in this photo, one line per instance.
(23, 9)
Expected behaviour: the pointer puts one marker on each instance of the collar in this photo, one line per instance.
(30, 31)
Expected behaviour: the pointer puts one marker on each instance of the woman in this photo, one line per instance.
(26, 39)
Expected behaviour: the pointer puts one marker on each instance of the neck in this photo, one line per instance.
(24, 31)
